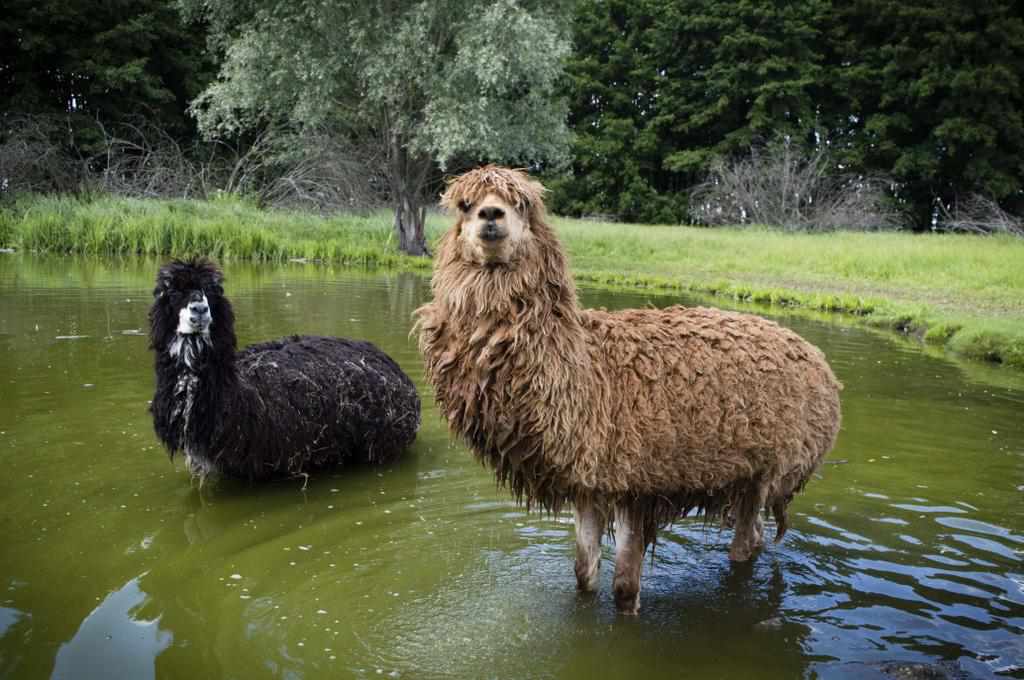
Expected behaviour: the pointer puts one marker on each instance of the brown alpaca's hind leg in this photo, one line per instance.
(590, 525)
(748, 536)
(781, 517)
(630, 547)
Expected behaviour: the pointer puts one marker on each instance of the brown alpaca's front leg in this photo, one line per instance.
(629, 558)
(590, 525)
(758, 531)
(749, 527)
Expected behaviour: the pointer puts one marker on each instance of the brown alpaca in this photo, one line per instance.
(638, 416)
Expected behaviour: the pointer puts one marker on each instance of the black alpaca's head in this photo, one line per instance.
(190, 315)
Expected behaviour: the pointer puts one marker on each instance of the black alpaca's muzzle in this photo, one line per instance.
(198, 312)
(195, 316)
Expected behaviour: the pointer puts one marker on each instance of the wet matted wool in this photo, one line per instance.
(659, 412)
(275, 409)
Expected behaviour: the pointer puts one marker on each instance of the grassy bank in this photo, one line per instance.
(223, 229)
(959, 291)
(962, 292)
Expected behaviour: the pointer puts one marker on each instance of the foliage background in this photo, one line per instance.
(624, 106)
(927, 94)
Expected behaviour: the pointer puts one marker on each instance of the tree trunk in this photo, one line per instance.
(410, 220)
(408, 177)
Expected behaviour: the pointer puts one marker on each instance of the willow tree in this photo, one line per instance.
(429, 81)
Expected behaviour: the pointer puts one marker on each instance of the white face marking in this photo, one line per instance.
(187, 314)
(193, 332)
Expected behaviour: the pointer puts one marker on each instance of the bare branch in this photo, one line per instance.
(978, 215)
(321, 168)
(35, 158)
(782, 187)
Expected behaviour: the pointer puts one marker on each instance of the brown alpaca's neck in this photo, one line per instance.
(527, 309)
(506, 351)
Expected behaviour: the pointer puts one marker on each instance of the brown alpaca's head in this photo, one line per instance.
(498, 211)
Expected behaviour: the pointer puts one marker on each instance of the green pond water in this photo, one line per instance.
(910, 547)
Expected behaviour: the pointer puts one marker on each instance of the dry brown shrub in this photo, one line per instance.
(978, 215)
(781, 186)
(33, 157)
(141, 160)
(319, 168)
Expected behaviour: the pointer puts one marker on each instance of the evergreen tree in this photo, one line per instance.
(113, 60)
(925, 93)
(661, 89)
(931, 94)
(618, 159)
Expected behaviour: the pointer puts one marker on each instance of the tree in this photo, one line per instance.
(109, 61)
(617, 162)
(426, 82)
(662, 88)
(927, 94)
(931, 94)
(748, 72)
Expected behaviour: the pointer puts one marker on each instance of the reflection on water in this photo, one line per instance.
(112, 642)
(9, 617)
(908, 549)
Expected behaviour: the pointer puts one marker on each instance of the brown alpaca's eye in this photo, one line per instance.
(464, 206)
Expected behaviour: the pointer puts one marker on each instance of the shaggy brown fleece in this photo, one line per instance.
(657, 410)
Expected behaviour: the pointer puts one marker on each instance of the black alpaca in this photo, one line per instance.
(276, 409)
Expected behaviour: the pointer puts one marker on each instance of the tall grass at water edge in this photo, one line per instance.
(224, 229)
(959, 291)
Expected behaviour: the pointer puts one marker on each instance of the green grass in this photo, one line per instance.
(959, 291)
(226, 229)
(952, 271)
(965, 293)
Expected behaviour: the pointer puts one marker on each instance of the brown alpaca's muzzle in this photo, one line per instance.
(492, 233)
(490, 230)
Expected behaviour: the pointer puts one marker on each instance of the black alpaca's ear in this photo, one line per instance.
(209, 271)
(164, 279)
(215, 284)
